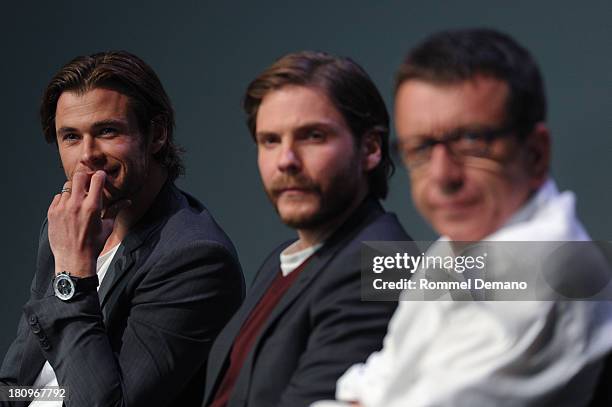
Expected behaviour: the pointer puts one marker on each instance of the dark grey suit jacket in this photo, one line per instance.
(319, 328)
(144, 338)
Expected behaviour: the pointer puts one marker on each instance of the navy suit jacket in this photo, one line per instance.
(144, 338)
(319, 328)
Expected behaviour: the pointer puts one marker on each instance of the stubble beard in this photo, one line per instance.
(343, 189)
(131, 185)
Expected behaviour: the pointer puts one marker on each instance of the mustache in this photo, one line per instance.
(292, 182)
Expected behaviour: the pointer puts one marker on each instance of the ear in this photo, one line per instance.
(159, 135)
(538, 154)
(371, 152)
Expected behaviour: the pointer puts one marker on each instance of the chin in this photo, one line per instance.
(464, 238)
(300, 208)
(295, 219)
(111, 198)
(299, 216)
(460, 231)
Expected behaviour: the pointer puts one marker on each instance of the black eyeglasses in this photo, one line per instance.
(460, 143)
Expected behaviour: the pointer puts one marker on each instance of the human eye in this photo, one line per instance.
(471, 143)
(424, 146)
(70, 137)
(311, 135)
(267, 140)
(471, 136)
(315, 135)
(108, 131)
(418, 151)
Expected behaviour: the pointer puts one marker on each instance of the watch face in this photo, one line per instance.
(63, 287)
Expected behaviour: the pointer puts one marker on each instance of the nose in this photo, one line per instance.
(289, 159)
(91, 154)
(444, 169)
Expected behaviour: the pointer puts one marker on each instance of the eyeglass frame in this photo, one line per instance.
(486, 135)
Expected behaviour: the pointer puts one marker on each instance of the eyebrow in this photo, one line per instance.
(466, 128)
(323, 125)
(96, 125)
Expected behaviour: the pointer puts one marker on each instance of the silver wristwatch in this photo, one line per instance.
(66, 286)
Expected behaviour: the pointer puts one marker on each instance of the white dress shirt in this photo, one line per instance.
(491, 353)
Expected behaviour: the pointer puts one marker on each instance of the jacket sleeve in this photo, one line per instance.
(9, 373)
(177, 309)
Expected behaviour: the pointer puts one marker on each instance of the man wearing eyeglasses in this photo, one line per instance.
(470, 114)
(476, 148)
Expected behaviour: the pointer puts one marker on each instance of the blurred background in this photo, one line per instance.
(207, 52)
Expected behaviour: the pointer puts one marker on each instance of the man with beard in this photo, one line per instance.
(134, 278)
(321, 130)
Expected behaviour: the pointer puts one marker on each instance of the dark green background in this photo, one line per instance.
(206, 53)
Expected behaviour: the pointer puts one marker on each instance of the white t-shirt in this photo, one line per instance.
(290, 261)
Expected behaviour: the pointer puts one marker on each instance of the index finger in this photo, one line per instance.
(96, 186)
(78, 187)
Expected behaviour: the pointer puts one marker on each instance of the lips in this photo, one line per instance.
(292, 190)
(455, 202)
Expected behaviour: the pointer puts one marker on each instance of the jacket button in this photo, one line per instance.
(44, 344)
(33, 320)
(36, 328)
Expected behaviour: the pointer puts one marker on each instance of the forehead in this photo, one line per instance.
(428, 108)
(291, 107)
(75, 109)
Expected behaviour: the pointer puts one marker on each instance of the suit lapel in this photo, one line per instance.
(226, 339)
(306, 276)
(121, 263)
(127, 254)
(363, 215)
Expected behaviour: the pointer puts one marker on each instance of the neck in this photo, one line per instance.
(312, 236)
(141, 202)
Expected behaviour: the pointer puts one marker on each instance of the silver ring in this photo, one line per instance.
(66, 189)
